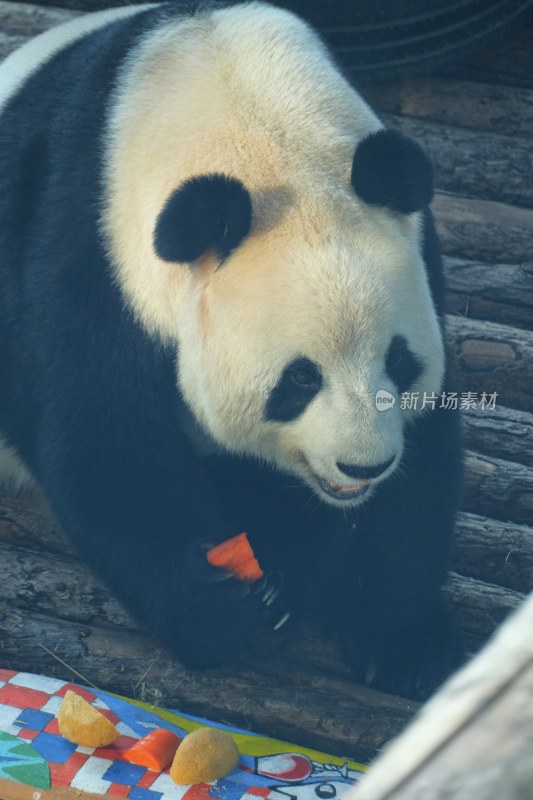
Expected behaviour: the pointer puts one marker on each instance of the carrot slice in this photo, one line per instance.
(248, 571)
(231, 551)
(236, 555)
(155, 750)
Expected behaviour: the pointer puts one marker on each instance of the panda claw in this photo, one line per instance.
(273, 596)
(282, 621)
(270, 594)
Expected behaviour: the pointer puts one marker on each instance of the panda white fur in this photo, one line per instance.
(212, 259)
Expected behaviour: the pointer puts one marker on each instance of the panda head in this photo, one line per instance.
(306, 314)
(261, 222)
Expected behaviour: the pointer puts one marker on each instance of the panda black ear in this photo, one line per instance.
(208, 212)
(393, 171)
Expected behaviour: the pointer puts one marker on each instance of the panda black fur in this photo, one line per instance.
(165, 406)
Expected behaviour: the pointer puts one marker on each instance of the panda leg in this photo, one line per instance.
(401, 636)
(137, 519)
(406, 659)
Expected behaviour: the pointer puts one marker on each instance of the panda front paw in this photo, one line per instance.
(226, 618)
(411, 661)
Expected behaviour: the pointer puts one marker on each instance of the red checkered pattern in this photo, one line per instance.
(147, 779)
(119, 790)
(26, 733)
(53, 727)
(85, 693)
(62, 774)
(22, 692)
(22, 697)
(200, 791)
(27, 703)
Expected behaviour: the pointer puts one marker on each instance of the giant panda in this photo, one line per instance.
(221, 308)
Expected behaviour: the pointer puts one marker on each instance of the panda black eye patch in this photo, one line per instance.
(300, 381)
(403, 368)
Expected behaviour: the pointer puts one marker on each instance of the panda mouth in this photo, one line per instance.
(342, 492)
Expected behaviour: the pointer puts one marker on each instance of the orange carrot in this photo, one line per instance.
(230, 552)
(248, 571)
(155, 750)
(236, 555)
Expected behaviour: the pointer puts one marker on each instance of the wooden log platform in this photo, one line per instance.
(476, 120)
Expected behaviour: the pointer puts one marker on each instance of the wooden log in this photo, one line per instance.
(479, 607)
(498, 489)
(62, 587)
(488, 166)
(501, 432)
(495, 552)
(464, 104)
(474, 739)
(20, 21)
(57, 585)
(500, 293)
(492, 358)
(284, 699)
(482, 229)
(29, 19)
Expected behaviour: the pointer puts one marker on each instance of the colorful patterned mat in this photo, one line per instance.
(32, 751)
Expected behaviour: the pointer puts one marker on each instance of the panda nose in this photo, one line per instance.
(364, 473)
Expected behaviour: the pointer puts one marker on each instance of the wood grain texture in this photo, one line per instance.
(501, 432)
(20, 21)
(487, 230)
(495, 552)
(492, 358)
(461, 104)
(500, 293)
(498, 489)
